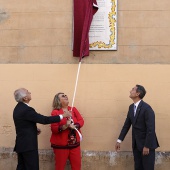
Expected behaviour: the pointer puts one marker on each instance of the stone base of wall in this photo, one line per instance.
(91, 160)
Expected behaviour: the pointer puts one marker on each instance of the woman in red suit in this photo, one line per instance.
(65, 140)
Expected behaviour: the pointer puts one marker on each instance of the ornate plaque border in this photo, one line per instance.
(112, 17)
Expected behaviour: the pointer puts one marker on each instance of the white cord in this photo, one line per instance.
(78, 71)
(76, 85)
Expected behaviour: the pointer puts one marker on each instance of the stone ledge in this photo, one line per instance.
(91, 160)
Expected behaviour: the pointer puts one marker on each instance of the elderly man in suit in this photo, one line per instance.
(144, 140)
(25, 119)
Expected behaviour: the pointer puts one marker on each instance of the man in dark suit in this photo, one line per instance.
(25, 119)
(144, 140)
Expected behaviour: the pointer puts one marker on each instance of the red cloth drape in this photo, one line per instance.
(83, 14)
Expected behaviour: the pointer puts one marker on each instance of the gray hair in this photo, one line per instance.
(19, 94)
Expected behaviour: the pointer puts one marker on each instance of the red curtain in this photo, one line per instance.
(83, 15)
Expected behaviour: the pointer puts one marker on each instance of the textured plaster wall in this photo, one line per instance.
(41, 32)
(102, 99)
(35, 52)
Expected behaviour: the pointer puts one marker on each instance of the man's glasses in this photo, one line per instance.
(64, 95)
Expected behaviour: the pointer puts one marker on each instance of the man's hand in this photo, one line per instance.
(38, 131)
(145, 151)
(117, 146)
(67, 114)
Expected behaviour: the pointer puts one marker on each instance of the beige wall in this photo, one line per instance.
(102, 98)
(35, 52)
(41, 32)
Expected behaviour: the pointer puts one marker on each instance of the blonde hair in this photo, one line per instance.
(56, 102)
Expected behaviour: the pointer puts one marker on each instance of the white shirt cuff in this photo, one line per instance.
(119, 141)
(61, 117)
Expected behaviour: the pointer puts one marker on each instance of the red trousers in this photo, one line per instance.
(74, 156)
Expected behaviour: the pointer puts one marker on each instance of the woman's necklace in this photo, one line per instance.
(64, 109)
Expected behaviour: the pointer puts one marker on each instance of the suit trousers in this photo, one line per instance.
(28, 160)
(74, 156)
(144, 162)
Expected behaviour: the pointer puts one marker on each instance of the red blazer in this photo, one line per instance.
(60, 138)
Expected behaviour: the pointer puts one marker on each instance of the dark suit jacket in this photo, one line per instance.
(25, 119)
(143, 127)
